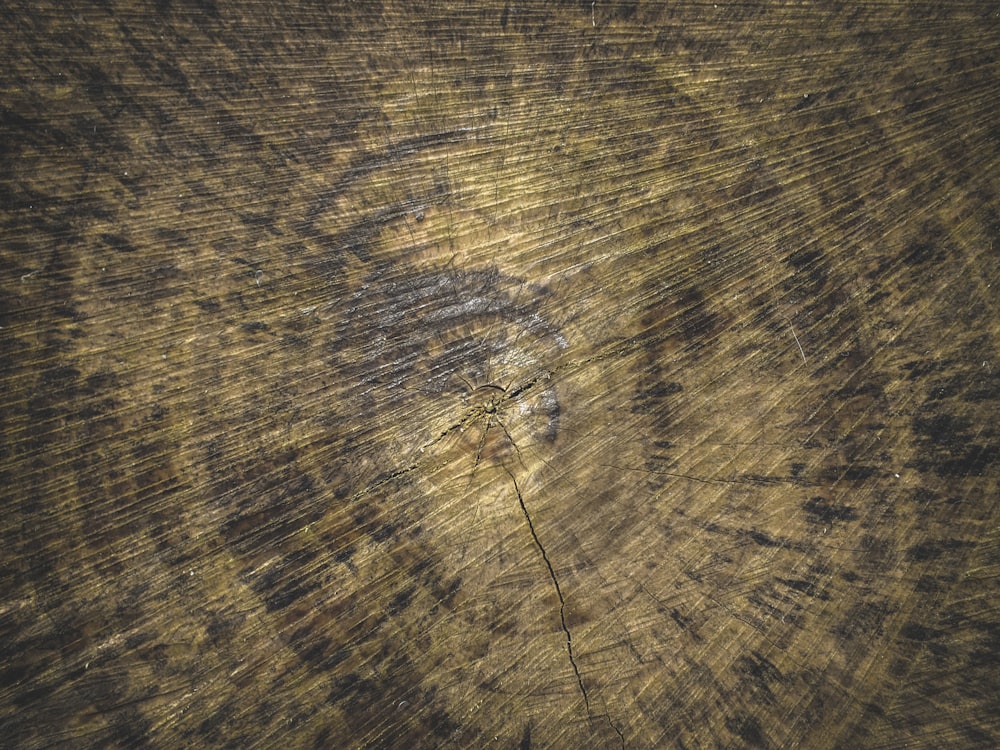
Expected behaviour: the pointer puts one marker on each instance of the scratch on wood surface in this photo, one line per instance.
(797, 343)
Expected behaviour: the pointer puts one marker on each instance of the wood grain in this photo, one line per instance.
(500, 374)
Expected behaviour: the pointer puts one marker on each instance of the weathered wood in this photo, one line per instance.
(518, 374)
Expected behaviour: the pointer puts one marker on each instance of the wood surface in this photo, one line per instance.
(473, 374)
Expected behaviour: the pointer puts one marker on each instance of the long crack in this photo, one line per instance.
(562, 608)
(471, 415)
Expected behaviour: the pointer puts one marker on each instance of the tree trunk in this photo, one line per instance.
(500, 374)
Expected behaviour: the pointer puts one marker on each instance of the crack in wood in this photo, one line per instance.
(562, 609)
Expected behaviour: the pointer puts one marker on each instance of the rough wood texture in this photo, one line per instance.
(481, 374)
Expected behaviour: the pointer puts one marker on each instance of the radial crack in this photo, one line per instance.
(562, 608)
(555, 583)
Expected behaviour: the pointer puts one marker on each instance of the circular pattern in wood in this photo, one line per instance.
(524, 374)
(464, 358)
